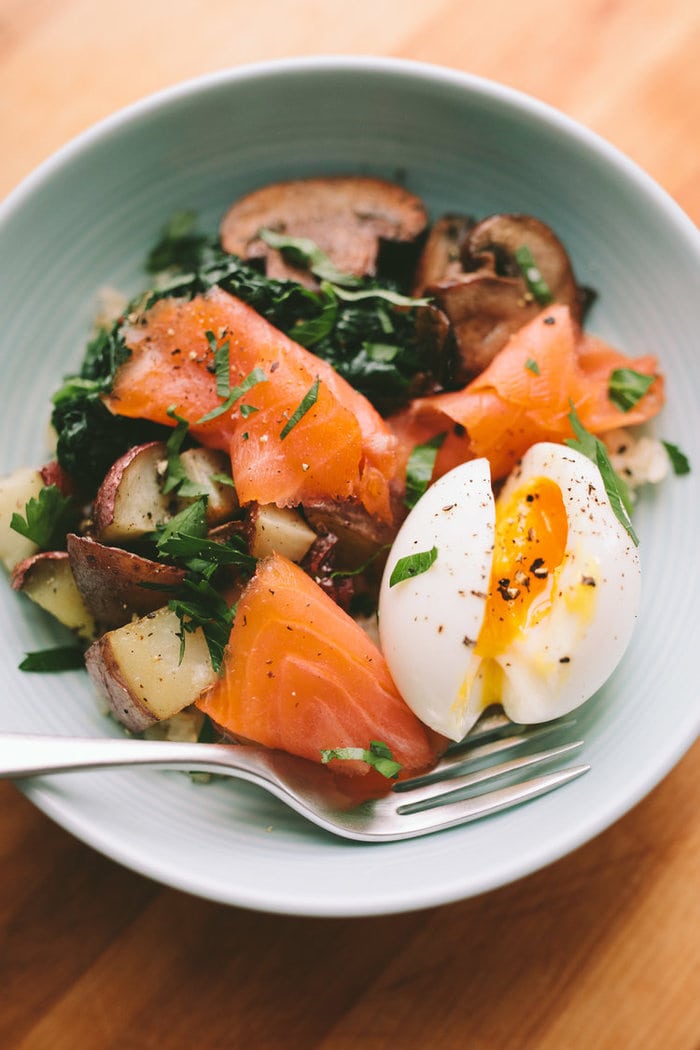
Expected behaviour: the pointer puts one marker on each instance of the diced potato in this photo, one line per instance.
(47, 579)
(201, 465)
(15, 492)
(279, 529)
(130, 502)
(137, 669)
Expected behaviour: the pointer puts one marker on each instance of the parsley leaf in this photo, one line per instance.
(532, 366)
(201, 605)
(412, 565)
(48, 517)
(62, 658)
(176, 477)
(222, 367)
(419, 469)
(679, 461)
(626, 387)
(616, 490)
(235, 394)
(307, 402)
(197, 602)
(378, 755)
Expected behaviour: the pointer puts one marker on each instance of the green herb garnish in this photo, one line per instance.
(412, 565)
(201, 606)
(532, 366)
(616, 490)
(679, 461)
(626, 387)
(48, 517)
(419, 469)
(222, 366)
(198, 603)
(303, 252)
(532, 276)
(62, 658)
(307, 402)
(235, 394)
(378, 755)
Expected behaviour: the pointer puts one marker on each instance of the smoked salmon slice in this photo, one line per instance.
(298, 433)
(300, 675)
(525, 396)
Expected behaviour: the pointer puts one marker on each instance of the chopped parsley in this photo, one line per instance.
(532, 366)
(532, 276)
(307, 402)
(235, 394)
(48, 517)
(197, 602)
(626, 387)
(222, 366)
(616, 490)
(419, 469)
(679, 461)
(176, 478)
(412, 565)
(378, 755)
(62, 658)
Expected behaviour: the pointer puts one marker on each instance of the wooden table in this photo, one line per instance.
(602, 949)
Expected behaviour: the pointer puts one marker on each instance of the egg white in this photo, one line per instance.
(429, 624)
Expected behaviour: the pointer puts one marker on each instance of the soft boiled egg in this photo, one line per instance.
(528, 601)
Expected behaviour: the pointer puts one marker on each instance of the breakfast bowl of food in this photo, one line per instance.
(349, 404)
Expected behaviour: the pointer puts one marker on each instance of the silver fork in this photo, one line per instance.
(412, 807)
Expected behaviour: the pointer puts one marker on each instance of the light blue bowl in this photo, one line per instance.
(86, 219)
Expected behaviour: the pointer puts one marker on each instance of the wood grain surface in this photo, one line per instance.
(600, 951)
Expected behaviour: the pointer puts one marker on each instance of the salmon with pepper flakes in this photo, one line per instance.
(300, 675)
(297, 434)
(525, 395)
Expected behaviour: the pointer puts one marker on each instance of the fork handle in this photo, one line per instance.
(28, 755)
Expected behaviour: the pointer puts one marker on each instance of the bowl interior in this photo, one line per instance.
(86, 219)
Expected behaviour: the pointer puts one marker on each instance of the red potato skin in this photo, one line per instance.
(104, 672)
(105, 500)
(110, 580)
(23, 569)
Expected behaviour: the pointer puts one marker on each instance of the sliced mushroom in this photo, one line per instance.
(441, 258)
(499, 237)
(486, 298)
(346, 216)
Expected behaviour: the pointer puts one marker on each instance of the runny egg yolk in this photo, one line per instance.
(530, 542)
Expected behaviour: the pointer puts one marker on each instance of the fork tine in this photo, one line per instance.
(439, 817)
(465, 754)
(422, 795)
